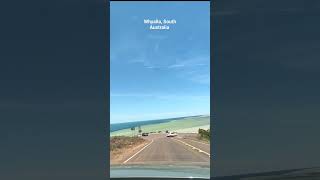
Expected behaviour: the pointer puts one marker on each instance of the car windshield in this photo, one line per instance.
(161, 153)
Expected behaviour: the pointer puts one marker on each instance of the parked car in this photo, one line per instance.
(145, 134)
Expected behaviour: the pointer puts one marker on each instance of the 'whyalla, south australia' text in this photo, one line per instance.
(156, 24)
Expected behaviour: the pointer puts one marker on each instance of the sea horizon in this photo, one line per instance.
(125, 125)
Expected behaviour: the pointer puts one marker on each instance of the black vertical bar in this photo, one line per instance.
(107, 91)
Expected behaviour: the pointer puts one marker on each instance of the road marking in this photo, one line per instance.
(201, 151)
(137, 152)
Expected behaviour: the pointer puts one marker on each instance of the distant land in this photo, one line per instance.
(189, 124)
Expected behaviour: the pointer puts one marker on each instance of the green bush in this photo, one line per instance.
(204, 134)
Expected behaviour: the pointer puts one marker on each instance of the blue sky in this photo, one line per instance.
(159, 73)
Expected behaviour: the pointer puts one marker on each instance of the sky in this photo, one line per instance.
(157, 74)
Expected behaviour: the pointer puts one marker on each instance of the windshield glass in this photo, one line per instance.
(185, 153)
(160, 89)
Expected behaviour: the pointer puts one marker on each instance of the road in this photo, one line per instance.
(168, 150)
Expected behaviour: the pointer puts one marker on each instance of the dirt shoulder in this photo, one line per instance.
(195, 137)
(123, 147)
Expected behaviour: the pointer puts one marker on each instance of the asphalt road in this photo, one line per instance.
(168, 150)
(201, 145)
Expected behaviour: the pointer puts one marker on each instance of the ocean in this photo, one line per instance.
(126, 125)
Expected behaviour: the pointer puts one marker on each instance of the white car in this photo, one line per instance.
(171, 134)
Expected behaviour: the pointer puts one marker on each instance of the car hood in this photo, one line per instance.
(160, 171)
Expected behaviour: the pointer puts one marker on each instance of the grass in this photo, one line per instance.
(189, 124)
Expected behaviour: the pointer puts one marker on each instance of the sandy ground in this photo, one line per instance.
(193, 136)
(119, 156)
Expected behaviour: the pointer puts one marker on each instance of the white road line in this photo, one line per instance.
(199, 142)
(137, 152)
(201, 151)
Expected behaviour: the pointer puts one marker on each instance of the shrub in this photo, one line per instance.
(204, 134)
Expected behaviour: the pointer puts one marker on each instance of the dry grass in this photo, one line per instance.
(120, 142)
(122, 146)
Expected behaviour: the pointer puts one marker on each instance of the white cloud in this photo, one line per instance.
(176, 66)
